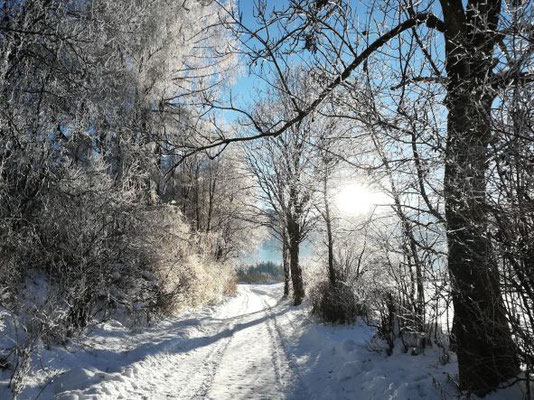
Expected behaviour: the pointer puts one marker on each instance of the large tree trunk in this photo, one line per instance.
(486, 352)
(296, 271)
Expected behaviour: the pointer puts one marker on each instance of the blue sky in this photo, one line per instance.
(249, 88)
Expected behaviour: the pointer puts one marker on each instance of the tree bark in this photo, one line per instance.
(486, 352)
(285, 263)
(330, 238)
(296, 271)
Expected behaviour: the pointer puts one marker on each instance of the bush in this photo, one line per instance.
(96, 247)
(335, 304)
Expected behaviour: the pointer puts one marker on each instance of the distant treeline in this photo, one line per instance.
(262, 272)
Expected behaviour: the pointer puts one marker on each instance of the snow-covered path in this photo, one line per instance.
(252, 362)
(234, 353)
(253, 346)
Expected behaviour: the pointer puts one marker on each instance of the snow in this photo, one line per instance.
(253, 346)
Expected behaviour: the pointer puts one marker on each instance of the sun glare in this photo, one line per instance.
(357, 199)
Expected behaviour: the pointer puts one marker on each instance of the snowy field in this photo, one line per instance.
(253, 346)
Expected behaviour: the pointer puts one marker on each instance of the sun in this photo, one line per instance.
(356, 199)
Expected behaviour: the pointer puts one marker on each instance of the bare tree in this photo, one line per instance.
(283, 169)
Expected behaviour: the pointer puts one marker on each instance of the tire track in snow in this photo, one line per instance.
(214, 364)
(279, 359)
(207, 365)
(297, 389)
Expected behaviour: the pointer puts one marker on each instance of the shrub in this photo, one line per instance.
(335, 304)
(98, 247)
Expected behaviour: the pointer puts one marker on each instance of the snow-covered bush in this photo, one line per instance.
(90, 248)
(100, 248)
(344, 298)
(183, 272)
(335, 304)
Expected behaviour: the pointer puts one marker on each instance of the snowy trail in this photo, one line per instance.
(253, 346)
(251, 364)
(234, 353)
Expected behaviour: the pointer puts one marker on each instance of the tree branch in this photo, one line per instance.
(423, 18)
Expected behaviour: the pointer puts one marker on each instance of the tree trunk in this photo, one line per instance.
(211, 196)
(197, 198)
(296, 271)
(285, 264)
(330, 239)
(486, 352)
